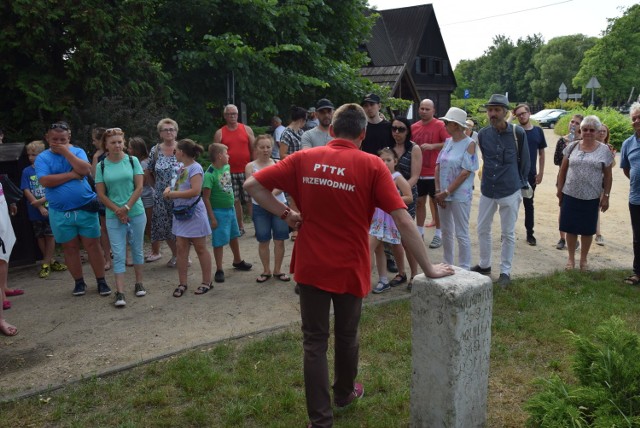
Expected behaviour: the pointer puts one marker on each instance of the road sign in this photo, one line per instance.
(467, 94)
(593, 83)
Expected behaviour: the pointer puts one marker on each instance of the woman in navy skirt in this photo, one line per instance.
(584, 173)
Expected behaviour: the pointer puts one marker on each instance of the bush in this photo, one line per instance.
(619, 124)
(566, 105)
(474, 108)
(608, 395)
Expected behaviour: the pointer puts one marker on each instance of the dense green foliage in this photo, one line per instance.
(132, 62)
(608, 393)
(619, 124)
(532, 71)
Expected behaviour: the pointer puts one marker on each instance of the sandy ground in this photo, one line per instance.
(63, 338)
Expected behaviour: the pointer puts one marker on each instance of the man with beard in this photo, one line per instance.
(501, 183)
(319, 135)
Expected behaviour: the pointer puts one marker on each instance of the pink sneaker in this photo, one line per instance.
(358, 392)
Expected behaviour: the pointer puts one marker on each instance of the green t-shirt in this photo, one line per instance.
(219, 181)
(118, 180)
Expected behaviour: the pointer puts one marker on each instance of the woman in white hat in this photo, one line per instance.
(455, 172)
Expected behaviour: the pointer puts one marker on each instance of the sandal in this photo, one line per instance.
(632, 280)
(282, 277)
(204, 288)
(400, 278)
(14, 292)
(178, 292)
(263, 277)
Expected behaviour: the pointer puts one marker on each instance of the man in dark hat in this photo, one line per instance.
(378, 129)
(505, 153)
(319, 136)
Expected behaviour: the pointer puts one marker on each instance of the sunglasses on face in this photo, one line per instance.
(168, 130)
(588, 130)
(62, 126)
(400, 129)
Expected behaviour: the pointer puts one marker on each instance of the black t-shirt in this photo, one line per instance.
(378, 136)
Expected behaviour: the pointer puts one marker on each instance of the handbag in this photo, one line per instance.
(185, 212)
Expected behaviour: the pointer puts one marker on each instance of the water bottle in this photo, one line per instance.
(572, 133)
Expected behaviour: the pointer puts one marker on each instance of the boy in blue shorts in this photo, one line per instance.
(38, 212)
(218, 196)
(73, 211)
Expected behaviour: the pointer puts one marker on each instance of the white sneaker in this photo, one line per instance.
(152, 257)
(599, 240)
(140, 291)
(119, 300)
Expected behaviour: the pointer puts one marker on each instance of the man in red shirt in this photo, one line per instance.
(429, 133)
(332, 186)
(239, 139)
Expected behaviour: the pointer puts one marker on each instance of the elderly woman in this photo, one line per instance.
(455, 171)
(409, 164)
(162, 168)
(584, 173)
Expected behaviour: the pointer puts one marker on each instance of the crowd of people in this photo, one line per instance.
(313, 181)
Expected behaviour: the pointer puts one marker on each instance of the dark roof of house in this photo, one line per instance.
(396, 36)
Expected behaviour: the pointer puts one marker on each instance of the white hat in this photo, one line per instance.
(456, 115)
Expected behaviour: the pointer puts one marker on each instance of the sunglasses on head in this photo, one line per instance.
(59, 125)
(398, 129)
(112, 131)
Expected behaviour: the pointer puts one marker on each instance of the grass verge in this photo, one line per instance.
(259, 382)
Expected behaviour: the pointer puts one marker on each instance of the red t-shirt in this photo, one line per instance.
(433, 132)
(239, 147)
(336, 188)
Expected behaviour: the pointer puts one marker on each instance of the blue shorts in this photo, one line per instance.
(227, 227)
(67, 225)
(266, 223)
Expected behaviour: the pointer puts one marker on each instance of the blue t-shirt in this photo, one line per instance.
(70, 195)
(29, 181)
(536, 141)
(630, 158)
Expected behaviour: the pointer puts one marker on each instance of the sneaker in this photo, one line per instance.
(140, 291)
(219, 276)
(436, 242)
(56, 266)
(531, 240)
(484, 271)
(381, 287)
(600, 240)
(152, 257)
(242, 265)
(80, 289)
(44, 271)
(561, 245)
(391, 265)
(358, 392)
(504, 280)
(103, 289)
(119, 300)
(172, 262)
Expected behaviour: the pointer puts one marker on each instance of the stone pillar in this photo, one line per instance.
(451, 342)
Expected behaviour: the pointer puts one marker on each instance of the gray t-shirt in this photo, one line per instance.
(584, 177)
(315, 138)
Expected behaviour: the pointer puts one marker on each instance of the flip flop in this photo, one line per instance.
(6, 304)
(632, 280)
(204, 288)
(7, 329)
(263, 277)
(282, 277)
(14, 292)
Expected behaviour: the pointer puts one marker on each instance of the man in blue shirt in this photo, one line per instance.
(630, 164)
(73, 215)
(537, 144)
(506, 166)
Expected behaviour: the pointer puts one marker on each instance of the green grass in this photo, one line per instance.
(258, 382)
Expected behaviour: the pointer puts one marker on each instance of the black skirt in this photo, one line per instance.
(579, 216)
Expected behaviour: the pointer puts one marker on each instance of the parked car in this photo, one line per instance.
(542, 113)
(550, 120)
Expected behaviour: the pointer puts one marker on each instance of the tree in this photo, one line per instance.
(63, 58)
(558, 62)
(278, 52)
(615, 58)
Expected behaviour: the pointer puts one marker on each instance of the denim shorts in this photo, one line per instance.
(67, 225)
(227, 228)
(268, 225)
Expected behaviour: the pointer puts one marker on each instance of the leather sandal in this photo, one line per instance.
(178, 292)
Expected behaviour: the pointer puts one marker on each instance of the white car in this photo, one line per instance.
(542, 113)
